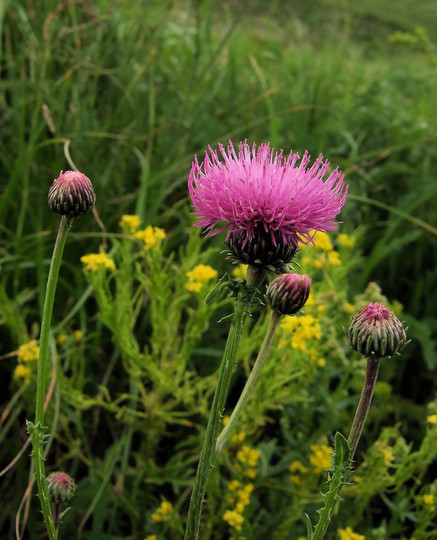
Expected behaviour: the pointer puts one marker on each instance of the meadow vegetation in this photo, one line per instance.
(128, 93)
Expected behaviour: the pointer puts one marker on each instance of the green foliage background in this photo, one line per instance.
(132, 90)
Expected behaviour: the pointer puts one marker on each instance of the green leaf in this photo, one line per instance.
(309, 527)
(342, 451)
(223, 282)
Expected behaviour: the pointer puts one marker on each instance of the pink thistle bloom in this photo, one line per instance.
(262, 192)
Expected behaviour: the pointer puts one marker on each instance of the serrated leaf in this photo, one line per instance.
(342, 451)
(217, 289)
(309, 527)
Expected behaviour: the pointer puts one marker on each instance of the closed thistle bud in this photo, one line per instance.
(376, 331)
(61, 487)
(261, 250)
(71, 194)
(288, 293)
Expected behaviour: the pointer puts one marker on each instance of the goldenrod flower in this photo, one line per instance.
(432, 419)
(22, 373)
(129, 223)
(240, 271)
(333, 258)
(28, 352)
(150, 236)
(61, 339)
(199, 276)
(234, 519)
(429, 499)
(151, 537)
(345, 240)
(320, 458)
(163, 513)
(95, 261)
(349, 534)
(323, 242)
(77, 335)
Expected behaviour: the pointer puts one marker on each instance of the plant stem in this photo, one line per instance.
(207, 455)
(364, 404)
(38, 430)
(250, 383)
(340, 473)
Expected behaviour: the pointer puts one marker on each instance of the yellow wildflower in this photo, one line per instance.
(322, 241)
(199, 276)
(163, 513)
(151, 537)
(432, 419)
(22, 373)
(77, 335)
(303, 329)
(61, 339)
(95, 261)
(333, 258)
(387, 454)
(299, 469)
(240, 271)
(349, 308)
(321, 457)
(130, 223)
(429, 499)
(150, 236)
(28, 352)
(234, 519)
(346, 240)
(349, 534)
(248, 455)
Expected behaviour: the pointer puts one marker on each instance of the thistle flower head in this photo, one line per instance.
(264, 197)
(376, 331)
(288, 293)
(71, 194)
(60, 486)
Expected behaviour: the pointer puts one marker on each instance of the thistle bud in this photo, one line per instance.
(71, 194)
(60, 486)
(288, 293)
(376, 331)
(261, 250)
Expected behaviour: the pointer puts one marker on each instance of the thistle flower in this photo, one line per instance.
(61, 487)
(376, 331)
(264, 199)
(71, 194)
(288, 293)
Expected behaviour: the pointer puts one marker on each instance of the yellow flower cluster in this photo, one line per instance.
(432, 419)
(95, 261)
(236, 438)
(163, 513)
(349, 534)
(234, 519)
(28, 352)
(429, 500)
(129, 223)
(298, 469)
(27, 355)
(199, 276)
(240, 498)
(303, 328)
(328, 256)
(346, 240)
(247, 459)
(151, 537)
(320, 458)
(151, 236)
(240, 271)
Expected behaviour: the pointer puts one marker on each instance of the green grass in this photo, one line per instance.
(135, 90)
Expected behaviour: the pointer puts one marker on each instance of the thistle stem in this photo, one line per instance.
(207, 455)
(364, 404)
(336, 481)
(38, 430)
(250, 383)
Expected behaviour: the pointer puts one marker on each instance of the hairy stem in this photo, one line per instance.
(250, 383)
(38, 430)
(207, 455)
